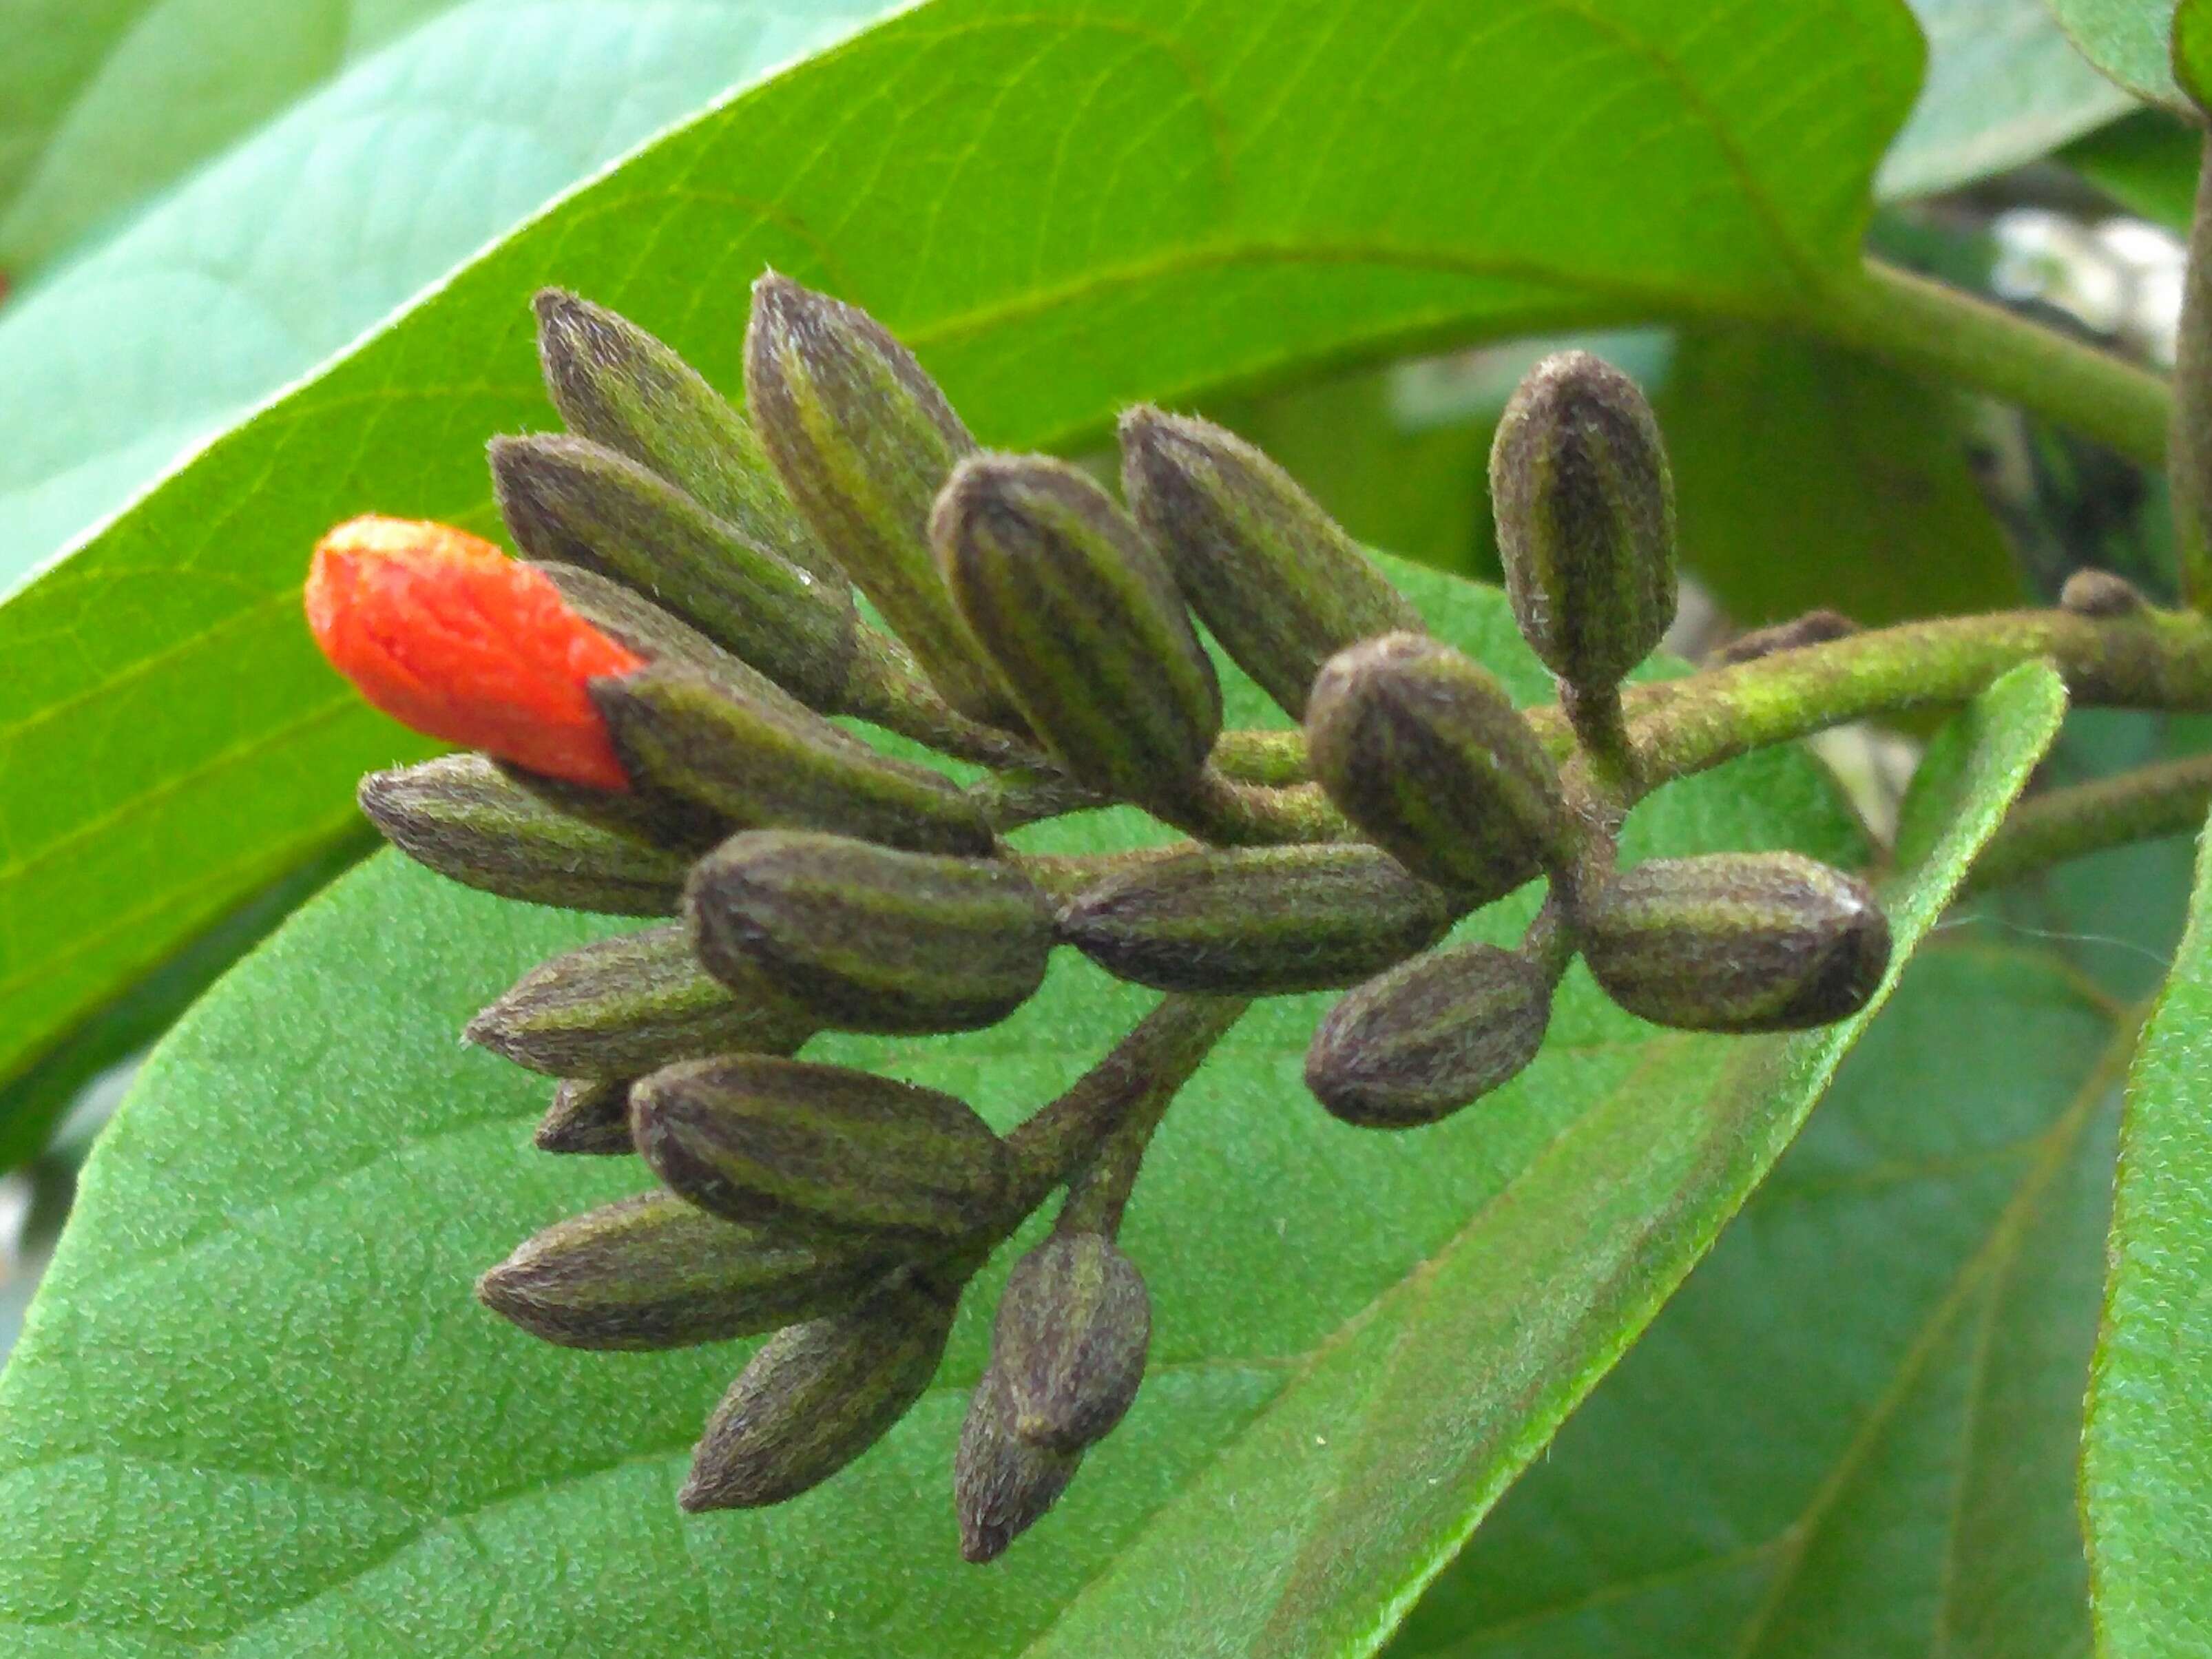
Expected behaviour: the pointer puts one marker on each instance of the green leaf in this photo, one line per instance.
(2192, 51)
(1853, 1433)
(1060, 213)
(257, 1343)
(2131, 41)
(2148, 163)
(2147, 1464)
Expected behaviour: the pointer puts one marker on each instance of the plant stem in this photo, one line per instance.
(2189, 465)
(2168, 799)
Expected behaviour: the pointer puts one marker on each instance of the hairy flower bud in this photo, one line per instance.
(1002, 1485)
(868, 938)
(2101, 593)
(817, 1396)
(1419, 1043)
(1422, 749)
(1585, 509)
(1256, 921)
(1736, 941)
(1819, 627)
(464, 817)
(617, 386)
(629, 1004)
(1072, 1331)
(788, 1144)
(654, 1271)
(766, 762)
(1276, 579)
(589, 1116)
(568, 501)
(447, 635)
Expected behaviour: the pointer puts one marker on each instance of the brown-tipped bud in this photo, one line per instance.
(1073, 1330)
(871, 939)
(1276, 579)
(1082, 620)
(1256, 921)
(654, 1271)
(617, 386)
(1813, 628)
(1431, 1035)
(1585, 510)
(626, 1005)
(1422, 749)
(569, 500)
(788, 1144)
(465, 818)
(2101, 593)
(768, 762)
(1002, 1485)
(863, 440)
(817, 1396)
(588, 1115)
(1735, 942)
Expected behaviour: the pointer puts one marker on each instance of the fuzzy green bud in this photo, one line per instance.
(1417, 1043)
(468, 820)
(588, 1116)
(640, 625)
(1256, 921)
(869, 938)
(766, 762)
(817, 1396)
(569, 500)
(617, 386)
(654, 1271)
(626, 1005)
(789, 1144)
(1585, 511)
(1083, 620)
(1736, 941)
(1002, 1485)
(1276, 579)
(1072, 1331)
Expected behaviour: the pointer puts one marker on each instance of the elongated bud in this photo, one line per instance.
(447, 635)
(1417, 1043)
(654, 1271)
(817, 1396)
(768, 762)
(589, 1116)
(863, 440)
(1422, 750)
(1002, 1485)
(1735, 942)
(1082, 619)
(1276, 579)
(788, 1144)
(466, 819)
(638, 624)
(1072, 1331)
(568, 501)
(1256, 921)
(629, 1004)
(1585, 509)
(1815, 628)
(617, 386)
(867, 938)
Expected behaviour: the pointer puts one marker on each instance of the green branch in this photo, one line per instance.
(2146, 804)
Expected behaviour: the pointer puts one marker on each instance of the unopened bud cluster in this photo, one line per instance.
(654, 695)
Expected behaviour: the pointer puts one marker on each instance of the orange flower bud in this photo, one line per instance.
(445, 633)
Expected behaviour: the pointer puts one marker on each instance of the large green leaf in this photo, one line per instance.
(1062, 210)
(257, 1341)
(2130, 40)
(2146, 1469)
(2148, 163)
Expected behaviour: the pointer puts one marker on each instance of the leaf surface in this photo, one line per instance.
(2131, 41)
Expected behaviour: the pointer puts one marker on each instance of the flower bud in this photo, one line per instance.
(763, 762)
(638, 624)
(1082, 620)
(785, 1143)
(1070, 1342)
(1422, 749)
(2101, 593)
(817, 1396)
(447, 635)
(1819, 627)
(588, 1116)
(629, 1004)
(1256, 921)
(1433, 1034)
(1585, 510)
(1735, 942)
(568, 501)
(464, 817)
(1002, 1485)
(616, 385)
(1274, 576)
(654, 1271)
(871, 939)
(863, 440)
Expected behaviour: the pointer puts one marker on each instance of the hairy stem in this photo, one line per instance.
(2169, 799)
